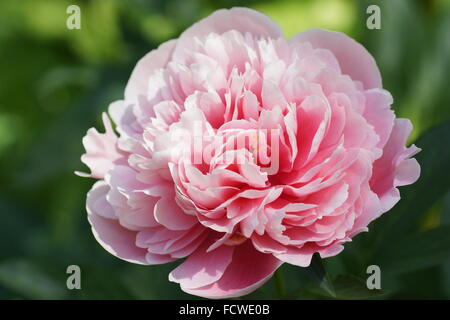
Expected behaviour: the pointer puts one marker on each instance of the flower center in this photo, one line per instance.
(236, 239)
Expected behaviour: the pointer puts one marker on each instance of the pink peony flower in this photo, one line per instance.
(240, 150)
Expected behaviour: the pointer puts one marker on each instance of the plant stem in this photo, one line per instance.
(279, 283)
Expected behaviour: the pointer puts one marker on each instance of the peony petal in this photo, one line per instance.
(98, 203)
(353, 58)
(379, 114)
(152, 258)
(391, 170)
(202, 268)
(154, 60)
(407, 172)
(248, 271)
(101, 150)
(241, 19)
(170, 215)
(109, 233)
(299, 257)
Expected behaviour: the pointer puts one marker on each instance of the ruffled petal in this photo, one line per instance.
(395, 168)
(116, 239)
(353, 58)
(101, 151)
(152, 61)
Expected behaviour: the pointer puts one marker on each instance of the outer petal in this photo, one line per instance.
(299, 257)
(239, 19)
(379, 114)
(155, 59)
(248, 271)
(395, 168)
(101, 151)
(353, 58)
(202, 268)
(109, 233)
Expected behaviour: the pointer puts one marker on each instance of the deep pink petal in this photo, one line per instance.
(248, 271)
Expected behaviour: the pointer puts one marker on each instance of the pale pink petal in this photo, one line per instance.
(156, 59)
(379, 114)
(97, 201)
(299, 257)
(116, 239)
(391, 170)
(353, 58)
(202, 268)
(153, 258)
(266, 244)
(408, 171)
(101, 150)
(170, 215)
(241, 19)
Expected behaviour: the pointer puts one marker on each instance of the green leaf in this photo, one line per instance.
(345, 287)
(351, 287)
(417, 251)
(103, 282)
(25, 279)
(319, 274)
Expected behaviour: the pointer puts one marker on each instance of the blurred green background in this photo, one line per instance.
(55, 82)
